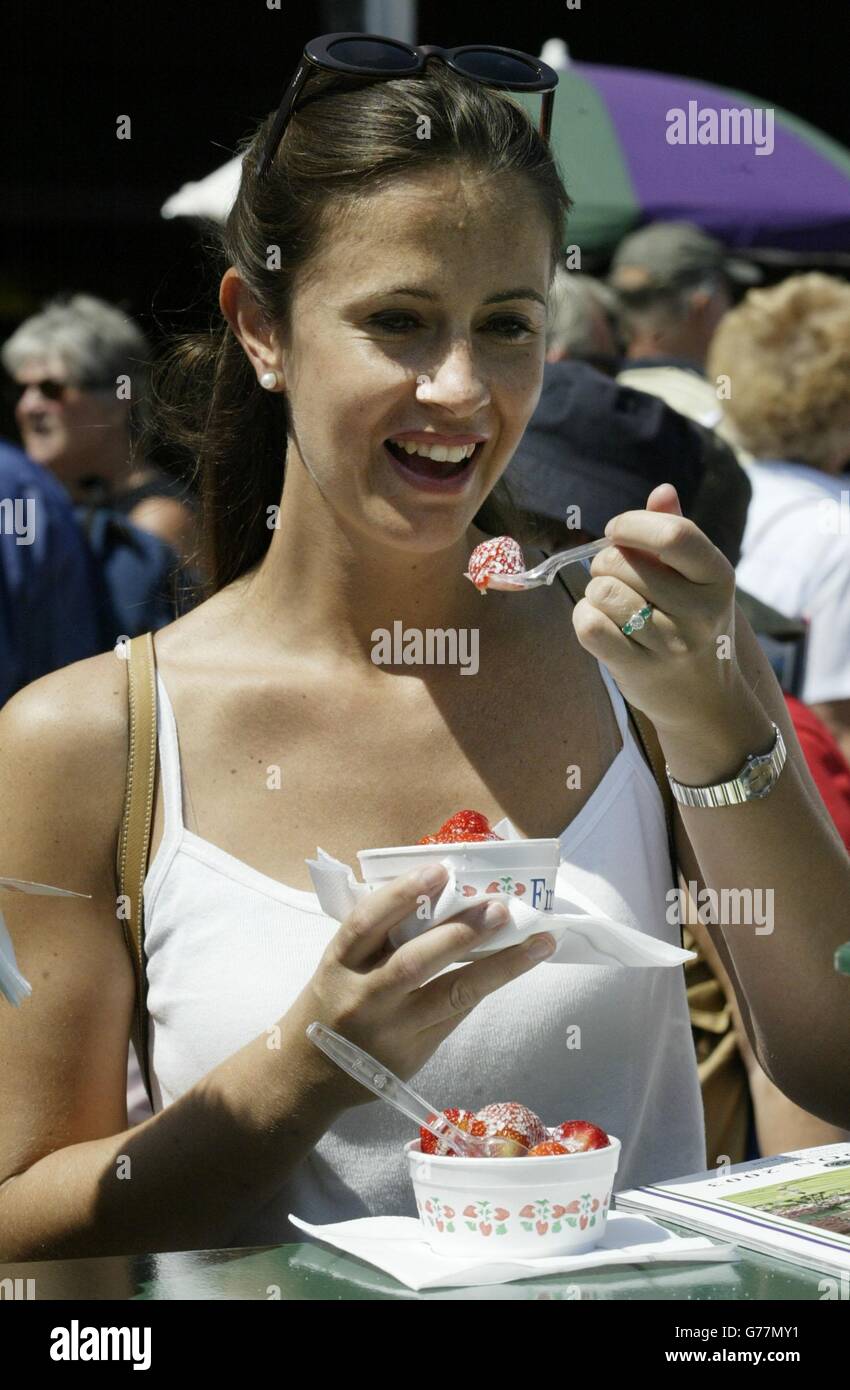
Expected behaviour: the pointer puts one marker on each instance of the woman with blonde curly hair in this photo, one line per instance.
(783, 357)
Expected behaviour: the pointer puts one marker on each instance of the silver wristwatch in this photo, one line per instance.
(755, 780)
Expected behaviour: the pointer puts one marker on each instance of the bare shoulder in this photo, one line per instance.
(63, 750)
(63, 757)
(100, 681)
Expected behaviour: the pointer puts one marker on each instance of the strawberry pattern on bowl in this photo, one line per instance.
(541, 1217)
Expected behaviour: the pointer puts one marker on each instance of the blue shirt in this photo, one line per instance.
(48, 595)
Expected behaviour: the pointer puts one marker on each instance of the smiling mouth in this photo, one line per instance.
(435, 469)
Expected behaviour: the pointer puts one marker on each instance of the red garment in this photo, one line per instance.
(827, 763)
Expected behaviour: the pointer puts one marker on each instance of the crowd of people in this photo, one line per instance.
(679, 366)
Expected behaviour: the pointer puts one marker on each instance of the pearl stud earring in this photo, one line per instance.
(268, 380)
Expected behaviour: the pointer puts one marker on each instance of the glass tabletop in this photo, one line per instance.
(312, 1271)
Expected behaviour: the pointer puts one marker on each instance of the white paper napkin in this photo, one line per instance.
(396, 1245)
(13, 986)
(585, 936)
(682, 1280)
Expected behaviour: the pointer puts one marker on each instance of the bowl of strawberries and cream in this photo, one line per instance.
(555, 1201)
(482, 861)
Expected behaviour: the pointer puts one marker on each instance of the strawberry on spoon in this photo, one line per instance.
(499, 564)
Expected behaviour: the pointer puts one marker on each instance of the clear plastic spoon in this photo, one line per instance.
(545, 572)
(384, 1084)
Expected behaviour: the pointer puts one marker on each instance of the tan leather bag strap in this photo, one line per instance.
(575, 579)
(134, 840)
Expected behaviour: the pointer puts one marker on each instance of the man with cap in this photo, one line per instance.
(676, 283)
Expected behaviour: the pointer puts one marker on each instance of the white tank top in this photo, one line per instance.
(229, 949)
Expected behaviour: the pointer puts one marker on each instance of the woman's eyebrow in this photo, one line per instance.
(524, 292)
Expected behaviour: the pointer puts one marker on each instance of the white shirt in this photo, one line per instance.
(229, 949)
(795, 556)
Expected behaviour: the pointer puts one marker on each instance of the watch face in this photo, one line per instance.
(759, 779)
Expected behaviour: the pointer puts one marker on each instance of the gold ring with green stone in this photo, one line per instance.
(637, 620)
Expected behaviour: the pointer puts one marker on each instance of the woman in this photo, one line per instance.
(787, 352)
(410, 305)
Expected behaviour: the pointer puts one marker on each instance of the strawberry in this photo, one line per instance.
(499, 555)
(464, 1119)
(455, 839)
(543, 1150)
(511, 1120)
(464, 826)
(579, 1135)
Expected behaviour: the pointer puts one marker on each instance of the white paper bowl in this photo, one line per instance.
(525, 869)
(493, 1207)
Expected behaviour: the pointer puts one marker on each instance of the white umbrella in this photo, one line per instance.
(211, 197)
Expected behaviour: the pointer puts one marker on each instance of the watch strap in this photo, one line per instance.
(736, 790)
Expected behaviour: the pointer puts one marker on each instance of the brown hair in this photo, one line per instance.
(206, 396)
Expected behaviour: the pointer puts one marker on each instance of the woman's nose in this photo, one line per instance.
(457, 381)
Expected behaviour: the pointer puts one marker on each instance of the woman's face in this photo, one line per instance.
(421, 320)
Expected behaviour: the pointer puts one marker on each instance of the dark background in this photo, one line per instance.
(80, 209)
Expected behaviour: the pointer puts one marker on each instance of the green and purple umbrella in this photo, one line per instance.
(609, 132)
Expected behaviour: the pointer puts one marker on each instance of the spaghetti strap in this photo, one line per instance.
(618, 703)
(621, 712)
(169, 762)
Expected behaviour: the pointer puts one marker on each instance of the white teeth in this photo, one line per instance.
(440, 453)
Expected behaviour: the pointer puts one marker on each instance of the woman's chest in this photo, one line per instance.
(358, 769)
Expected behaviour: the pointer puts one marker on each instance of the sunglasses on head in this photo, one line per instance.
(372, 56)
